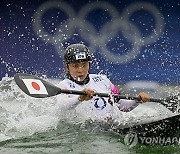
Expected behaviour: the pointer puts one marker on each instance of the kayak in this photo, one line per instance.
(161, 132)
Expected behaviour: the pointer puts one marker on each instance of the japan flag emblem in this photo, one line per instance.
(35, 86)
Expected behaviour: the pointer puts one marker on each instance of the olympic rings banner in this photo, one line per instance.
(129, 40)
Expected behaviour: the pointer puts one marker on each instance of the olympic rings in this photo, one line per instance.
(98, 40)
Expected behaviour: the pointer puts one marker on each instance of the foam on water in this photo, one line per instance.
(21, 115)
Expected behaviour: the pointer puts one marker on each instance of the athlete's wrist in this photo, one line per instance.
(80, 99)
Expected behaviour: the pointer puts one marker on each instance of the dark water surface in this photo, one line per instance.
(70, 138)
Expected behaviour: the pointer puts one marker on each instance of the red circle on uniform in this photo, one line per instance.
(35, 86)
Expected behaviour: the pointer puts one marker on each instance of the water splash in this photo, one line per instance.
(22, 115)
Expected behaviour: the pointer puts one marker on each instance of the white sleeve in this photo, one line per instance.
(67, 101)
(126, 105)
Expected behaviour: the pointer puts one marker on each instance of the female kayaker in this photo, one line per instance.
(77, 60)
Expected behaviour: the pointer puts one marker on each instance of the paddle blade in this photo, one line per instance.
(35, 86)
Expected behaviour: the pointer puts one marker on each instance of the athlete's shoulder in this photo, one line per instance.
(94, 75)
(64, 83)
(98, 75)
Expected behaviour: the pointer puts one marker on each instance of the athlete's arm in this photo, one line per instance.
(128, 105)
(67, 102)
(70, 101)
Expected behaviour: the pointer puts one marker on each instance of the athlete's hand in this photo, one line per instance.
(144, 97)
(89, 92)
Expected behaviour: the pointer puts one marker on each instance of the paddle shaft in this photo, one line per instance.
(75, 92)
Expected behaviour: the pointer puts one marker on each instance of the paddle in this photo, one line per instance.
(39, 88)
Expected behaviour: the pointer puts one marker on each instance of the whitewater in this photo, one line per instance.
(22, 115)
